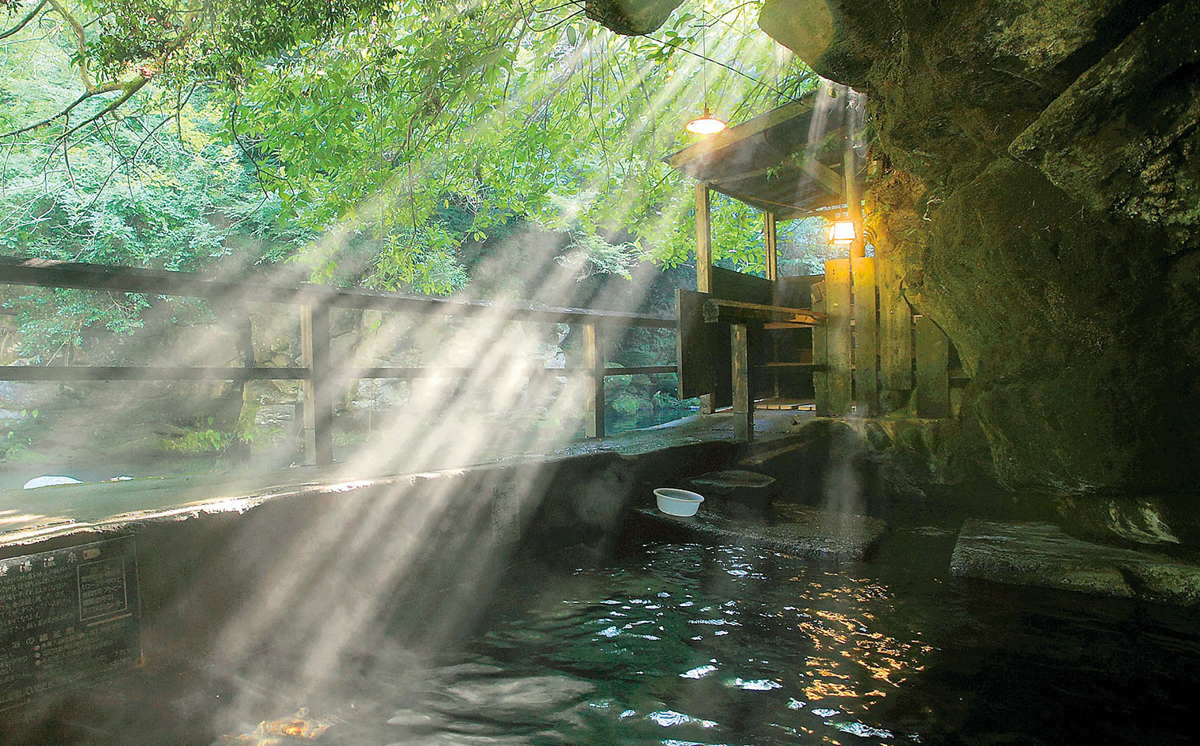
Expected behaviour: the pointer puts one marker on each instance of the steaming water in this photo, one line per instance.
(688, 644)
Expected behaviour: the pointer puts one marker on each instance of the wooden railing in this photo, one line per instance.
(315, 302)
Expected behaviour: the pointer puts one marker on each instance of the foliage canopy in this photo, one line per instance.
(369, 140)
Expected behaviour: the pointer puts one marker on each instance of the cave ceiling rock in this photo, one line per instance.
(1125, 136)
(631, 17)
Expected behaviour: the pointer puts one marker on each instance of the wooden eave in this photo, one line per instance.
(764, 162)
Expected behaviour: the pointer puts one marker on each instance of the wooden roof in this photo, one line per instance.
(769, 163)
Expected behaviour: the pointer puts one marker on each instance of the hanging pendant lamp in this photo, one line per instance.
(706, 123)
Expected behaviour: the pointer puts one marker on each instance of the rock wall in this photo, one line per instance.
(1037, 172)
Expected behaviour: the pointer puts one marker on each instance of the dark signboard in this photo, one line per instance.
(66, 616)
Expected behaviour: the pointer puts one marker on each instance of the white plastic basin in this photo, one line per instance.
(677, 502)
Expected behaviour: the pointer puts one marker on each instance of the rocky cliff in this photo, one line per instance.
(1037, 172)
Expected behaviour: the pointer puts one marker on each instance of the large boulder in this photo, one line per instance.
(631, 17)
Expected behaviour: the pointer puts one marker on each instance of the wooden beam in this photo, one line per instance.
(743, 403)
(731, 311)
(103, 373)
(797, 174)
(147, 373)
(770, 244)
(703, 240)
(646, 370)
(853, 201)
(593, 361)
(704, 266)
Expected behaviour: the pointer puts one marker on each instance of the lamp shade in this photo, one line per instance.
(842, 233)
(705, 124)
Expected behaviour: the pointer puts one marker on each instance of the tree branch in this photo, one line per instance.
(24, 21)
(127, 87)
(81, 42)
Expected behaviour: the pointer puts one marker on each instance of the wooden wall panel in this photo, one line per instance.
(694, 343)
(730, 285)
(895, 329)
(837, 342)
(866, 347)
(820, 353)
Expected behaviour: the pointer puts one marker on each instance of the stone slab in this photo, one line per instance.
(796, 530)
(1042, 554)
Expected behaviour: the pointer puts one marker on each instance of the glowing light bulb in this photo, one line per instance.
(842, 233)
(706, 124)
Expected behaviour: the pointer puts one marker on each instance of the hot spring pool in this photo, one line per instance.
(680, 644)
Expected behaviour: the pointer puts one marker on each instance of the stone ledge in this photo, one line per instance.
(1042, 554)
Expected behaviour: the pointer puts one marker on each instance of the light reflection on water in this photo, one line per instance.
(684, 644)
(708, 646)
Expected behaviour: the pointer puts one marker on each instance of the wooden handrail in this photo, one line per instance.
(56, 274)
(738, 312)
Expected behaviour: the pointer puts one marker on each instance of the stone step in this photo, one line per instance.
(795, 530)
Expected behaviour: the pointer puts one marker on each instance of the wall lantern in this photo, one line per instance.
(842, 233)
(706, 124)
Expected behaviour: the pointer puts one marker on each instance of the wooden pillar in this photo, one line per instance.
(703, 240)
(743, 402)
(770, 235)
(854, 202)
(866, 324)
(318, 393)
(593, 360)
(704, 264)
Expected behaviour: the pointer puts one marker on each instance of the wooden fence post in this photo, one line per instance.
(820, 353)
(743, 402)
(318, 399)
(593, 360)
(704, 264)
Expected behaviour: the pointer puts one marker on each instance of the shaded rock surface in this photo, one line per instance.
(1035, 175)
(631, 17)
(1042, 554)
(746, 487)
(797, 530)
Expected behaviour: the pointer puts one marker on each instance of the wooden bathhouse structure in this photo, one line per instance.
(847, 340)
